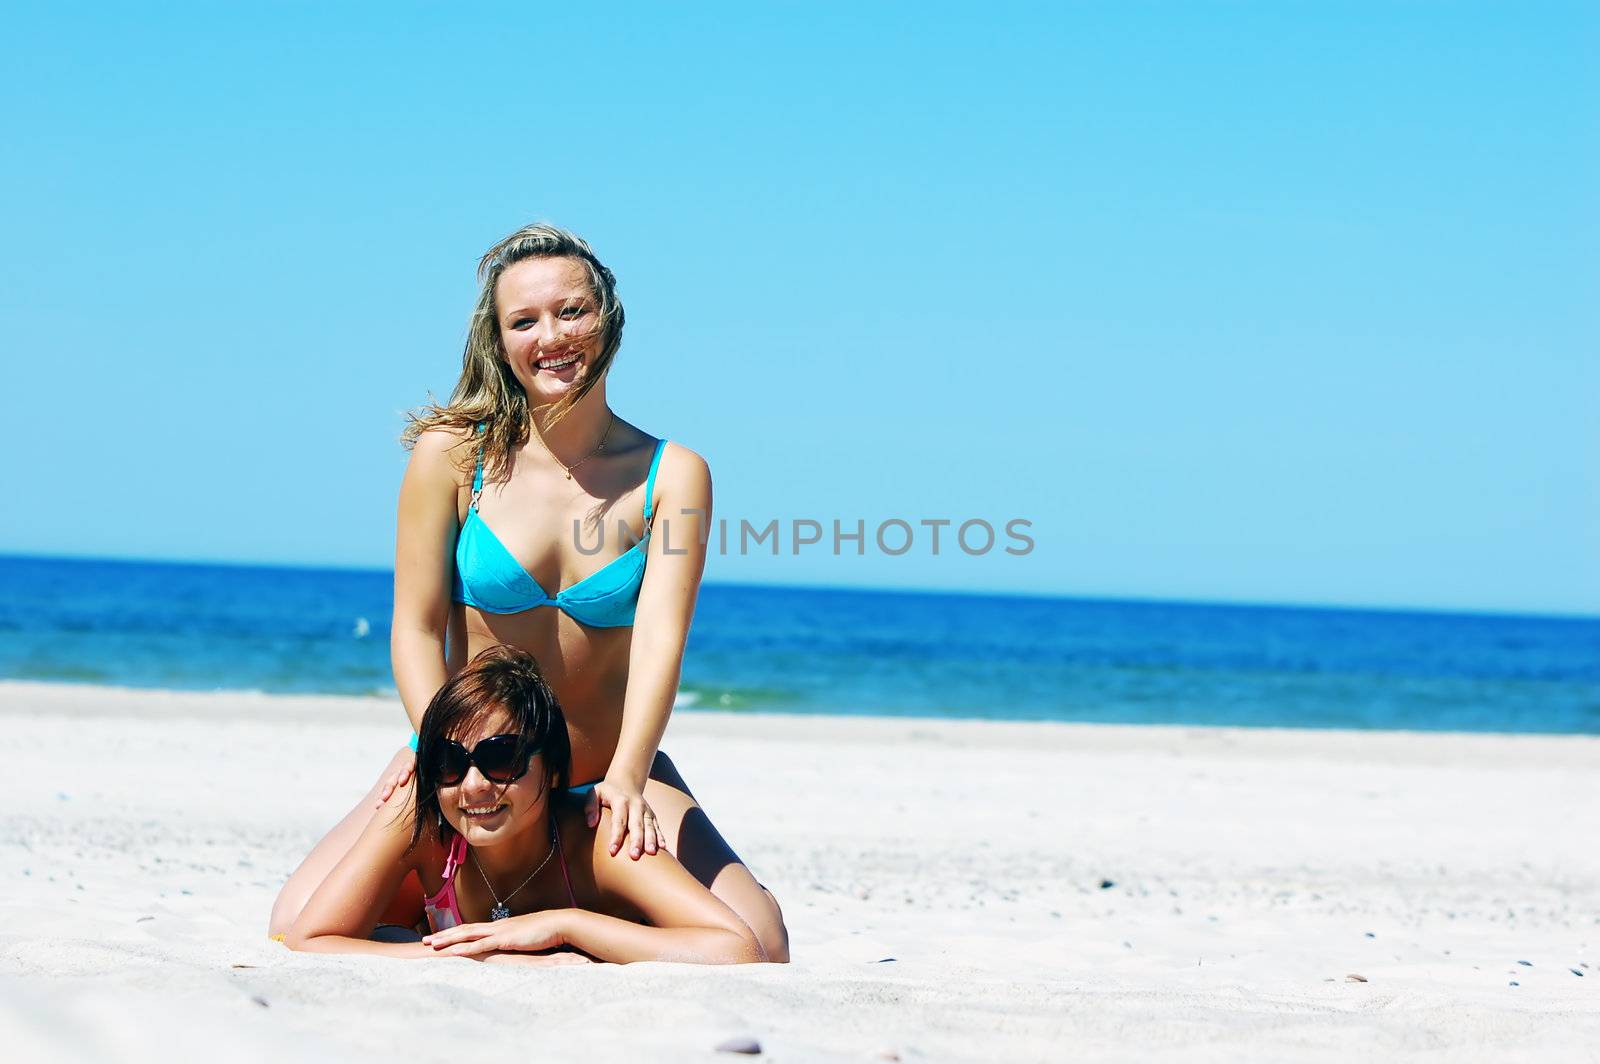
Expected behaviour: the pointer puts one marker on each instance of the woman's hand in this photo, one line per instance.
(527, 933)
(536, 960)
(398, 774)
(631, 816)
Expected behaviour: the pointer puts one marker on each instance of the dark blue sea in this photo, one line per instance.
(796, 650)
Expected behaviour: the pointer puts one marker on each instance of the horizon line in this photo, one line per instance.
(1349, 607)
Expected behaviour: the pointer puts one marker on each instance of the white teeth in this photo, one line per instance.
(482, 811)
(553, 364)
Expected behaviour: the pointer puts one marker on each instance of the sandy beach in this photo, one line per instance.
(954, 891)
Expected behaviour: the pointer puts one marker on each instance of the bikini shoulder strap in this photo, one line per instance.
(561, 852)
(457, 854)
(650, 482)
(477, 473)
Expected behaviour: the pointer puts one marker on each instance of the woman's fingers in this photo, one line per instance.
(569, 958)
(631, 819)
(591, 807)
(619, 824)
(636, 814)
(539, 960)
(388, 789)
(652, 833)
(394, 783)
(459, 933)
(400, 768)
(467, 949)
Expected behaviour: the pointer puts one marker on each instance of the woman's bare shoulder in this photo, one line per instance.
(683, 475)
(442, 453)
(682, 460)
(444, 441)
(393, 834)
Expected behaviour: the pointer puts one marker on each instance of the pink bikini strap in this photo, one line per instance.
(561, 852)
(458, 853)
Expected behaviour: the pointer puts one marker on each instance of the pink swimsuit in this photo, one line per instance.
(443, 910)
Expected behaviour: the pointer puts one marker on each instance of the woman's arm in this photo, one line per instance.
(687, 922)
(611, 938)
(345, 907)
(660, 629)
(423, 566)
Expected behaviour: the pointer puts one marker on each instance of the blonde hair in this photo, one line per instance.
(487, 393)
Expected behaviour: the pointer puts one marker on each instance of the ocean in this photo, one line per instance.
(813, 650)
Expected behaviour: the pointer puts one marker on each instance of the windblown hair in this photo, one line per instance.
(499, 678)
(487, 392)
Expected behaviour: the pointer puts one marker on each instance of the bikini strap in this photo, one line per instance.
(477, 475)
(457, 854)
(650, 483)
(561, 852)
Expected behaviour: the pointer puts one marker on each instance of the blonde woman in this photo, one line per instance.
(511, 487)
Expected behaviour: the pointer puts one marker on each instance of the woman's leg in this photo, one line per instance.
(700, 848)
(407, 906)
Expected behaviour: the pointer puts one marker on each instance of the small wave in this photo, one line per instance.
(734, 699)
(69, 673)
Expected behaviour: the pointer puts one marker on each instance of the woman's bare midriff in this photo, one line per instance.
(587, 668)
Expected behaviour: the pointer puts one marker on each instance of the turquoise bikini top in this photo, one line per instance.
(489, 578)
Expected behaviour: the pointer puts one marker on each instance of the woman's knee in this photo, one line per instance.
(286, 909)
(769, 928)
(701, 849)
(755, 905)
(305, 879)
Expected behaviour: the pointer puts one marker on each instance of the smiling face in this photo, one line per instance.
(489, 813)
(499, 692)
(550, 325)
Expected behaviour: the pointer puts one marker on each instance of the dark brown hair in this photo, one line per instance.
(499, 678)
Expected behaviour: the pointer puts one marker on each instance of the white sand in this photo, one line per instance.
(942, 883)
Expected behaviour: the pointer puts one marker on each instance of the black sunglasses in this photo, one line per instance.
(497, 757)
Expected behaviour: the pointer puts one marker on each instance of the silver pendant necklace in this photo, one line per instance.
(501, 910)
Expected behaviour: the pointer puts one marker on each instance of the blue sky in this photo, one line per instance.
(1262, 302)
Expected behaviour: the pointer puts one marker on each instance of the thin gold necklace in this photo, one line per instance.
(569, 468)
